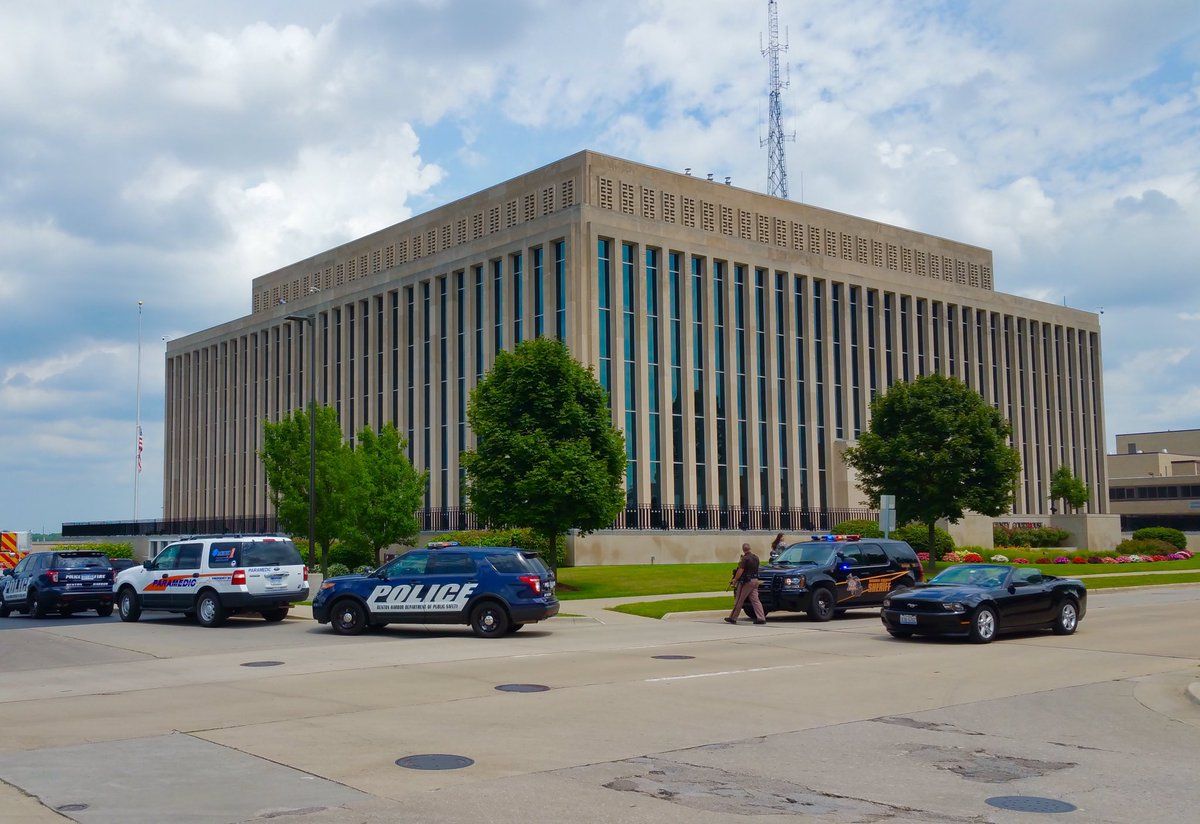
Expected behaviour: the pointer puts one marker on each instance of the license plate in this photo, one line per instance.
(908, 619)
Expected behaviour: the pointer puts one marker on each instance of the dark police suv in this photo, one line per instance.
(497, 590)
(66, 581)
(832, 573)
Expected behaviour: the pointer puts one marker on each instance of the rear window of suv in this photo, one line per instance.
(81, 562)
(511, 562)
(229, 554)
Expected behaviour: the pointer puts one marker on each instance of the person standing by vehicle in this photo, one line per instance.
(746, 578)
(777, 546)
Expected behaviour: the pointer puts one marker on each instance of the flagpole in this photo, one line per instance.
(137, 432)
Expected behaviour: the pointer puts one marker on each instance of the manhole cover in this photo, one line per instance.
(1030, 804)
(673, 657)
(262, 664)
(434, 761)
(522, 688)
(72, 808)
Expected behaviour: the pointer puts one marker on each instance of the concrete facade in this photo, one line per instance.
(742, 338)
(1157, 473)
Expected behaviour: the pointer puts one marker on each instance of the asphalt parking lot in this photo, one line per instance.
(164, 720)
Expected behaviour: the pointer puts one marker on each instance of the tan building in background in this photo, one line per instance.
(1154, 479)
(741, 336)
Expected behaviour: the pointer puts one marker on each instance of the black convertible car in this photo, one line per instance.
(981, 600)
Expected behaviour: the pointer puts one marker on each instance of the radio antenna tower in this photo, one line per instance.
(777, 182)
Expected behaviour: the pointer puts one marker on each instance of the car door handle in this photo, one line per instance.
(195, 574)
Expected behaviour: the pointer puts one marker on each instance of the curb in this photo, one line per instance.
(1193, 691)
(700, 613)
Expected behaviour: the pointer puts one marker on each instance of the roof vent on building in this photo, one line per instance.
(710, 177)
(688, 171)
(728, 180)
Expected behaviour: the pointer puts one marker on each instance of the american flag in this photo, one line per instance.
(140, 444)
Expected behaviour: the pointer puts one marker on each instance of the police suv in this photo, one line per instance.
(833, 573)
(497, 590)
(214, 576)
(66, 581)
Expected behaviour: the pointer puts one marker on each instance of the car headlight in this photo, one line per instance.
(327, 585)
(954, 607)
(887, 602)
(794, 582)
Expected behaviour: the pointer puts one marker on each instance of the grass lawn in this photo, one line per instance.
(1071, 570)
(657, 609)
(1192, 577)
(641, 579)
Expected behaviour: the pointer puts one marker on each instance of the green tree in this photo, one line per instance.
(387, 493)
(547, 456)
(285, 461)
(940, 449)
(1065, 486)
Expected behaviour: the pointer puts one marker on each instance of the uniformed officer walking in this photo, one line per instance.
(746, 578)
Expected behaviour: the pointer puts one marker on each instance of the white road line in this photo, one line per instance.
(728, 672)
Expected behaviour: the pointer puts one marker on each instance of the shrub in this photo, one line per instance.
(1043, 560)
(1108, 560)
(1096, 559)
(951, 558)
(338, 569)
(524, 538)
(351, 556)
(1144, 546)
(1042, 536)
(111, 550)
(923, 557)
(972, 558)
(1062, 559)
(1162, 533)
(998, 558)
(917, 536)
(1020, 560)
(859, 526)
(1079, 559)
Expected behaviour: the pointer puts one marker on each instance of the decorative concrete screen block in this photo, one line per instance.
(341, 275)
(477, 226)
(922, 264)
(708, 213)
(389, 256)
(649, 201)
(547, 200)
(847, 247)
(627, 198)
(960, 271)
(668, 207)
(568, 193)
(689, 212)
(781, 232)
(862, 250)
(446, 236)
(402, 251)
(493, 220)
(797, 236)
(460, 231)
(743, 224)
(764, 228)
(529, 206)
(877, 253)
(510, 214)
(831, 243)
(974, 274)
(814, 239)
(726, 220)
(606, 193)
(906, 260)
(893, 257)
(986, 275)
(376, 261)
(417, 247)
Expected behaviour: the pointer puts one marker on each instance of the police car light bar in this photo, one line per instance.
(836, 537)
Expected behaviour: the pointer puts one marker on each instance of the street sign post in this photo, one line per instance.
(887, 513)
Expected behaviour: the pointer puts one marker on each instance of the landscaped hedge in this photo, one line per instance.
(1162, 533)
(1042, 536)
(858, 526)
(111, 550)
(917, 536)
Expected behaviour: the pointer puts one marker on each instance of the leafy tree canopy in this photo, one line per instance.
(547, 456)
(940, 449)
(1065, 486)
(389, 491)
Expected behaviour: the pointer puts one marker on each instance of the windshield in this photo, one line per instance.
(815, 553)
(82, 562)
(981, 575)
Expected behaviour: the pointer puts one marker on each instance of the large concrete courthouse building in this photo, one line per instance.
(741, 337)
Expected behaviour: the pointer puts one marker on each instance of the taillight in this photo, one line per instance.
(533, 582)
(52, 574)
(239, 578)
(306, 575)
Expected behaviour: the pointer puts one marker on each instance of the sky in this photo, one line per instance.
(170, 152)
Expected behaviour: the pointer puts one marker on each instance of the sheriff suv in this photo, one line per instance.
(832, 573)
(497, 590)
(213, 577)
(65, 581)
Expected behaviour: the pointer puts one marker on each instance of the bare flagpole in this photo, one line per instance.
(137, 434)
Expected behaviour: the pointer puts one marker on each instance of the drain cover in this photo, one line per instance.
(434, 761)
(262, 664)
(1031, 804)
(522, 688)
(673, 657)
(72, 808)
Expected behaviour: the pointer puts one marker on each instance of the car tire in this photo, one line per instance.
(210, 612)
(821, 604)
(348, 617)
(273, 615)
(128, 606)
(37, 607)
(1067, 619)
(65, 611)
(5, 609)
(839, 613)
(489, 620)
(514, 628)
(983, 625)
(900, 633)
(376, 626)
(104, 610)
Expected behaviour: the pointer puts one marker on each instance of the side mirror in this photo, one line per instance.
(7, 572)
(148, 565)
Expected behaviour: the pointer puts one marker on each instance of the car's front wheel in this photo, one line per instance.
(348, 617)
(127, 605)
(1067, 619)
(104, 610)
(489, 620)
(821, 604)
(983, 625)
(36, 607)
(5, 609)
(210, 612)
(514, 628)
